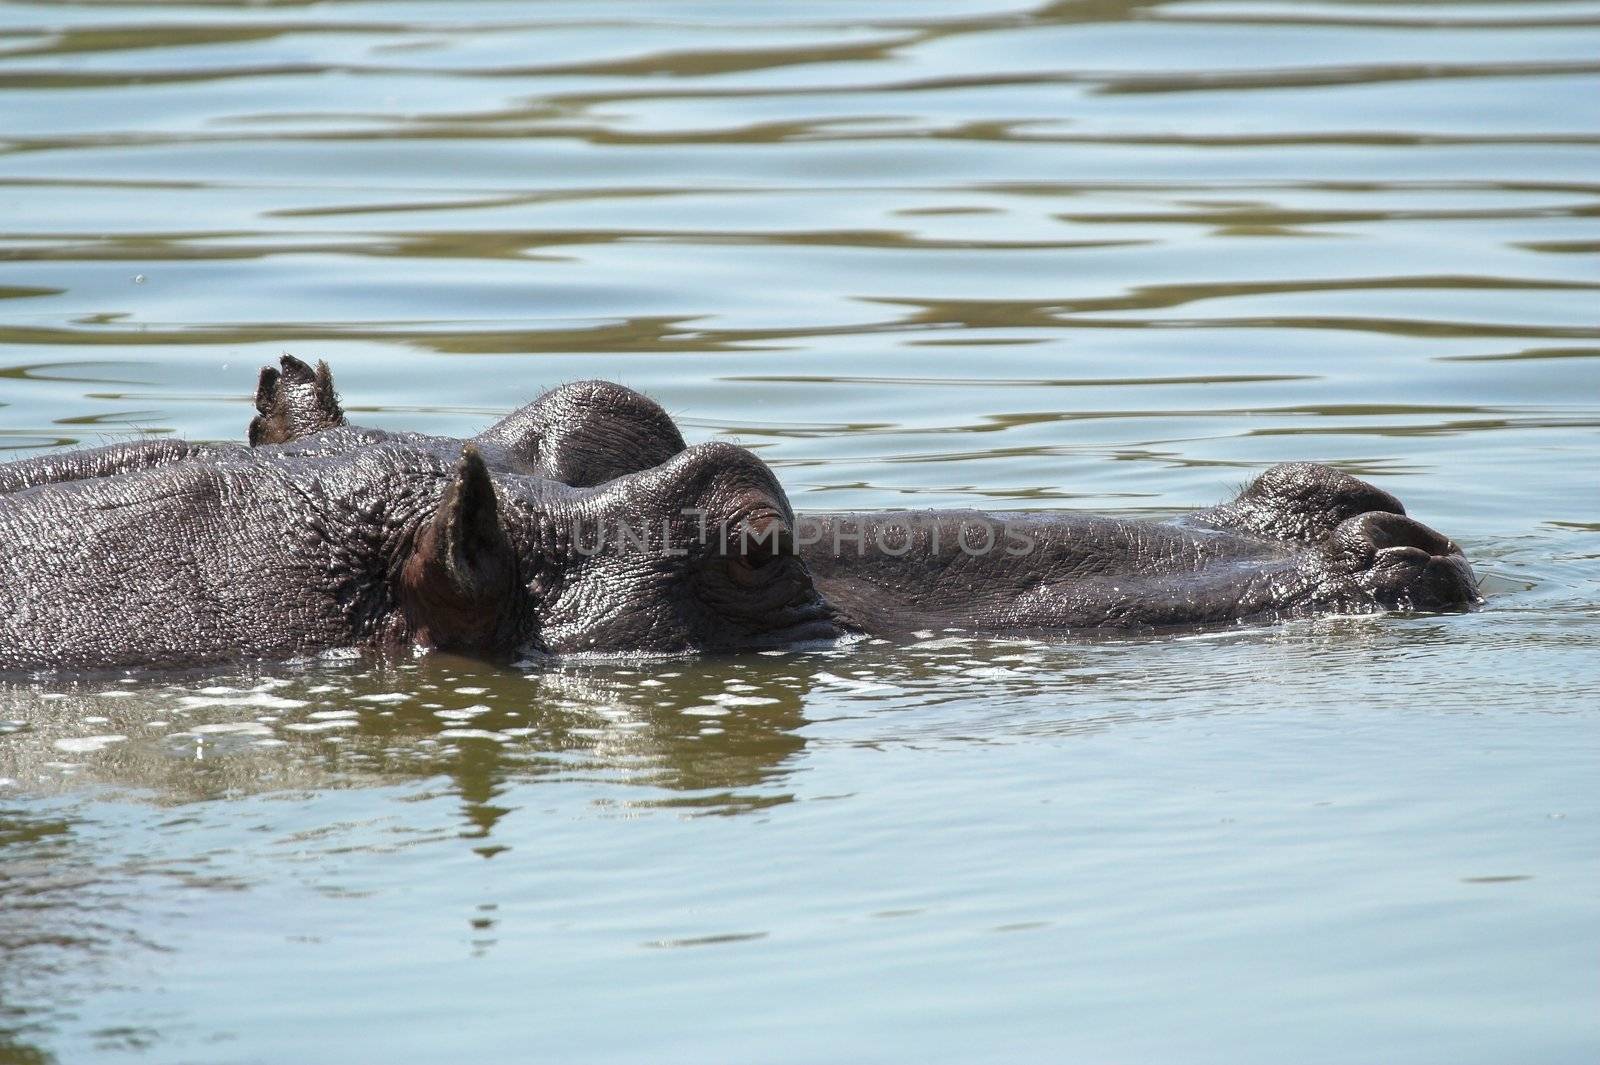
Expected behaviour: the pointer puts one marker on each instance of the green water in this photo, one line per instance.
(1109, 256)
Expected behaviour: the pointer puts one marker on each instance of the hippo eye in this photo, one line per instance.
(753, 543)
(745, 568)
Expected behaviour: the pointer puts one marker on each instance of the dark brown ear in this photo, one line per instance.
(294, 401)
(458, 584)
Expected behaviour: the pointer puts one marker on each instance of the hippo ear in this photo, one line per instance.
(457, 585)
(294, 401)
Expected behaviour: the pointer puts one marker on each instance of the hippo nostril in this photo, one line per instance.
(1447, 582)
(1415, 579)
(1384, 530)
(1402, 556)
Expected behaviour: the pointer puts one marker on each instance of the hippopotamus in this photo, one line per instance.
(583, 522)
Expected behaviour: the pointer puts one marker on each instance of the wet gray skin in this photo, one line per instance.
(583, 523)
(276, 553)
(581, 434)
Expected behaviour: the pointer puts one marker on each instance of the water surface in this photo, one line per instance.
(1110, 256)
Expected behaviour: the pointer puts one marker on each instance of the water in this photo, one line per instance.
(1110, 256)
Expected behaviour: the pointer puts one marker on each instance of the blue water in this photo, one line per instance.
(1112, 257)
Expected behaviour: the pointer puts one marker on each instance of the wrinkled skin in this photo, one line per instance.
(580, 434)
(387, 546)
(1074, 572)
(327, 535)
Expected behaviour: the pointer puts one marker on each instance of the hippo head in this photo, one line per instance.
(694, 554)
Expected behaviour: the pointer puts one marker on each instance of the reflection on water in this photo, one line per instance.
(695, 728)
(538, 821)
(1108, 255)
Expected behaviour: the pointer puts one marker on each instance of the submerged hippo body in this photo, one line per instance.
(584, 523)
